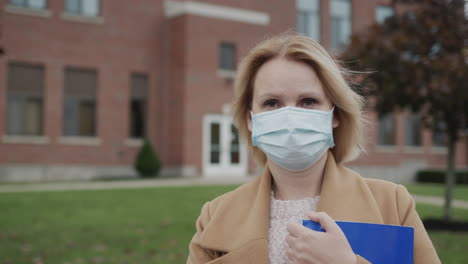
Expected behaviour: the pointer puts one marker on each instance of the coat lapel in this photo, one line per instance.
(240, 218)
(345, 196)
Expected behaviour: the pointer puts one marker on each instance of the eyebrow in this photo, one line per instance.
(268, 95)
(305, 94)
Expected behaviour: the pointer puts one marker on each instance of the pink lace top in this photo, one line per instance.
(281, 213)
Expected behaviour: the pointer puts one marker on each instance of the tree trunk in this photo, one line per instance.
(449, 179)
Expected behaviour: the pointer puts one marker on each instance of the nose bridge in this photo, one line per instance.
(289, 120)
(290, 101)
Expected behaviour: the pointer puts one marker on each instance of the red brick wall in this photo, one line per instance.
(127, 41)
(174, 102)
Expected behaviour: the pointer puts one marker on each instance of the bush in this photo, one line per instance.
(147, 163)
(438, 176)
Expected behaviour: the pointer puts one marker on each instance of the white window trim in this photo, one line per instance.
(226, 74)
(82, 19)
(18, 139)
(439, 150)
(177, 8)
(413, 149)
(78, 140)
(134, 142)
(19, 10)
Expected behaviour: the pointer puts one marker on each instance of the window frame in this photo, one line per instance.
(86, 99)
(145, 107)
(382, 7)
(308, 14)
(383, 118)
(23, 101)
(80, 11)
(333, 17)
(27, 4)
(411, 128)
(221, 63)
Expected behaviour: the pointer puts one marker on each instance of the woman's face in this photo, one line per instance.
(281, 82)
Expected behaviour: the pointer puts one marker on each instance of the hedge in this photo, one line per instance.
(438, 176)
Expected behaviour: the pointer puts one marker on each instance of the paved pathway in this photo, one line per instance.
(151, 183)
(118, 184)
(436, 200)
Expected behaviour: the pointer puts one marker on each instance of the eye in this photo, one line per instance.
(308, 102)
(271, 103)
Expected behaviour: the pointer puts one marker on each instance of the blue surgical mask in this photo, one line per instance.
(294, 138)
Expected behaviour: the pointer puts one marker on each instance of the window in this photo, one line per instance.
(308, 18)
(466, 9)
(82, 7)
(227, 56)
(138, 105)
(439, 136)
(80, 102)
(413, 136)
(36, 4)
(25, 99)
(340, 23)
(382, 13)
(215, 143)
(387, 129)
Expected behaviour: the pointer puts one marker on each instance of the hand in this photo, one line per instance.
(309, 246)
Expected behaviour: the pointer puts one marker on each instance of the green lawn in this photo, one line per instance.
(436, 189)
(106, 226)
(129, 226)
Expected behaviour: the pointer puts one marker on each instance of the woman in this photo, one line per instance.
(302, 122)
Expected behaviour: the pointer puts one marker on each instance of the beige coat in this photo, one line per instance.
(233, 228)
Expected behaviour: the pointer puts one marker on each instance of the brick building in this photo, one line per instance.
(83, 81)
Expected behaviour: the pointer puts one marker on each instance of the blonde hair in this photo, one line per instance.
(348, 136)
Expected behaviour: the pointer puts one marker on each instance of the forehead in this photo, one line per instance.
(281, 75)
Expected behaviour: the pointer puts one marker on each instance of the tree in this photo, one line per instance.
(147, 163)
(418, 59)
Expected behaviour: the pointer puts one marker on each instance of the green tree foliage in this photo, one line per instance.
(147, 163)
(418, 59)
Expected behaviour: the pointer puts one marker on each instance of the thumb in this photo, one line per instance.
(325, 221)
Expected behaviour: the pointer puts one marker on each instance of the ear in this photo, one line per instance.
(336, 121)
(248, 117)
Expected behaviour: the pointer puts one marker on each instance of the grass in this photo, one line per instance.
(436, 189)
(106, 226)
(451, 246)
(151, 225)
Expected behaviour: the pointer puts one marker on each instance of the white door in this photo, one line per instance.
(223, 153)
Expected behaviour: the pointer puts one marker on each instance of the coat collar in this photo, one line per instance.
(345, 195)
(242, 216)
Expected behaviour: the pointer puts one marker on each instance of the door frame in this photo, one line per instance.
(225, 167)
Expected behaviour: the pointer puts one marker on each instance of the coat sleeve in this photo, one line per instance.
(424, 251)
(197, 253)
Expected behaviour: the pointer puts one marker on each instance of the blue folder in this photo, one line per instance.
(379, 244)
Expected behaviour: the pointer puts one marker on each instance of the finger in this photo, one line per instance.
(325, 221)
(290, 253)
(297, 230)
(290, 240)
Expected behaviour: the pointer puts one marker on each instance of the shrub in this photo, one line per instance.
(438, 176)
(147, 163)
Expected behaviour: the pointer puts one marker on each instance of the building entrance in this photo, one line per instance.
(223, 152)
